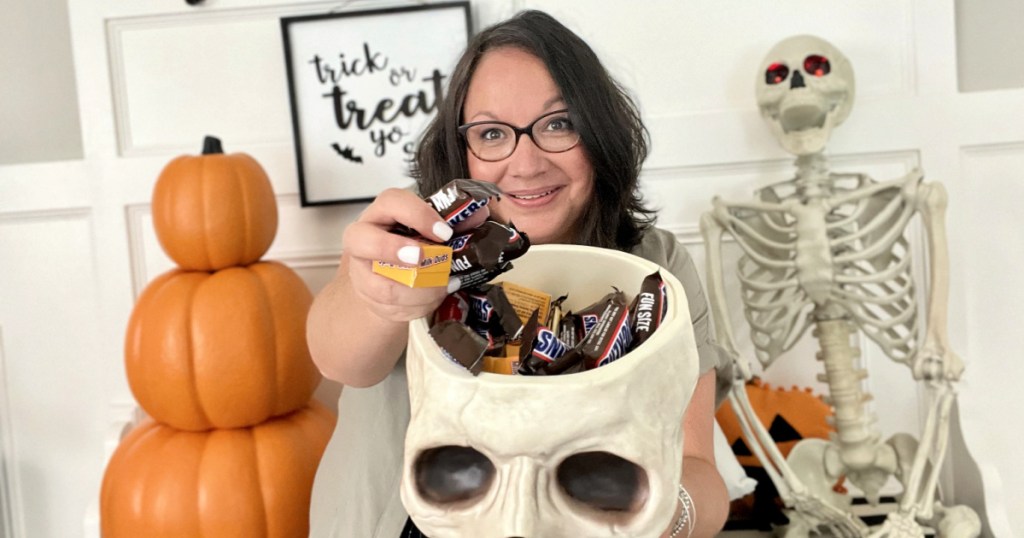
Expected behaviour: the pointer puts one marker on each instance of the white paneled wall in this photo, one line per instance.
(77, 244)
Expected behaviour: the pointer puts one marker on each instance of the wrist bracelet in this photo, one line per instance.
(687, 518)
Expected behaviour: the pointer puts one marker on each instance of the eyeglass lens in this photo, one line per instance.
(494, 140)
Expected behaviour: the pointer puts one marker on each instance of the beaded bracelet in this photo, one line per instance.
(687, 519)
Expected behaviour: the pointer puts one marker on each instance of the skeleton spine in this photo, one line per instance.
(854, 431)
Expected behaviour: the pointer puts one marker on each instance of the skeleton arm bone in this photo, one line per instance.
(931, 200)
(712, 232)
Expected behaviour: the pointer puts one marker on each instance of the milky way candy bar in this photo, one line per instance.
(485, 252)
(460, 199)
(460, 344)
(648, 308)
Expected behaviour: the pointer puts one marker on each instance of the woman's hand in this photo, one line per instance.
(369, 239)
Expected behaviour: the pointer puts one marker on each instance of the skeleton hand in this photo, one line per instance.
(933, 362)
(827, 520)
(899, 525)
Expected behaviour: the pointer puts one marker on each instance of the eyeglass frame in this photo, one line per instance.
(519, 132)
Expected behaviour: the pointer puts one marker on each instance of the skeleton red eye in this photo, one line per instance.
(816, 65)
(776, 73)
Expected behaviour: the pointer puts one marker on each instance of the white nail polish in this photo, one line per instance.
(442, 230)
(453, 284)
(409, 254)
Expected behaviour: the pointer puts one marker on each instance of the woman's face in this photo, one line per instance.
(544, 193)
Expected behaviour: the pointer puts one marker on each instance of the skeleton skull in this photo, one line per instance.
(593, 454)
(805, 89)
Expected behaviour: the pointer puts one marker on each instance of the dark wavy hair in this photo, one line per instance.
(612, 133)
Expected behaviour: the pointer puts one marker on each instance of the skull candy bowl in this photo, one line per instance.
(591, 454)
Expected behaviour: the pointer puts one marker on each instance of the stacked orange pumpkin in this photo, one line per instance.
(216, 355)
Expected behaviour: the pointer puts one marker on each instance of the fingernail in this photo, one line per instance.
(442, 230)
(454, 284)
(409, 254)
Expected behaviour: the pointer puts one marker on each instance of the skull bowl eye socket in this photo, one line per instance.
(776, 73)
(452, 474)
(604, 482)
(817, 65)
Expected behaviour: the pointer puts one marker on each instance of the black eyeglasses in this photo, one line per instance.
(496, 140)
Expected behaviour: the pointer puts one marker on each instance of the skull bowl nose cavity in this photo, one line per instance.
(797, 81)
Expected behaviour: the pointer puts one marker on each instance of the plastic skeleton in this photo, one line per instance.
(829, 250)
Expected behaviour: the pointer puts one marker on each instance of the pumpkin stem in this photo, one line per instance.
(211, 145)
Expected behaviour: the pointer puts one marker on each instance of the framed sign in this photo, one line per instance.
(363, 85)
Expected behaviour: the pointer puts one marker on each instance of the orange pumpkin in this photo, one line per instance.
(221, 350)
(248, 482)
(213, 210)
(789, 415)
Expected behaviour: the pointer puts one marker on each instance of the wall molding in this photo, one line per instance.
(134, 216)
(118, 28)
(995, 148)
(306, 259)
(779, 168)
(49, 214)
(12, 523)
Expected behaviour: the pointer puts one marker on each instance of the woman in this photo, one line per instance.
(570, 177)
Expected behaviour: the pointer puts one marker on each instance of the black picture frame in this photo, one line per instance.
(362, 85)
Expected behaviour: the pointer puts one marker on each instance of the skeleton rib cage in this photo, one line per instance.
(812, 251)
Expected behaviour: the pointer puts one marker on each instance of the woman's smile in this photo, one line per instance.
(533, 197)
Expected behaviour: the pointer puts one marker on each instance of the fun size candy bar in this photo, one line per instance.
(648, 308)
(611, 336)
(540, 347)
(485, 252)
(460, 344)
(460, 199)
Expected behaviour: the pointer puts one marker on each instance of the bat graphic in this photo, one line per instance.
(346, 153)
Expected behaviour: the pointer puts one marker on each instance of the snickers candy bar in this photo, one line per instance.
(583, 321)
(460, 344)
(540, 347)
(485, 252)
(480, 316)
(649, 307)
(611, 337)
(462, 202)
(491, 315)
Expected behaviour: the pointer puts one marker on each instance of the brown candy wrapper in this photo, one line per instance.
(485, 252)
(611, 337)
(460, 344)
(540, 348)
(648, 308)
(460, 199)
(500, 342)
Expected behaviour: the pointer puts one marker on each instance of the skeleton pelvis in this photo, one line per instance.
(509, 455)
